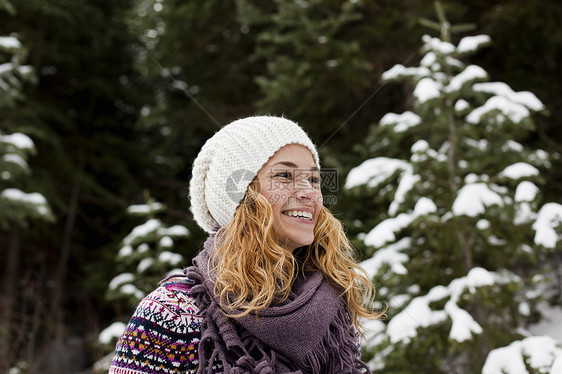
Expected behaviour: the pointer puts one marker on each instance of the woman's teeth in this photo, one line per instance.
(299, 214)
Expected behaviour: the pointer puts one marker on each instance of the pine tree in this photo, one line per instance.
(312, 62)
(147, 254)
(463, 235)
(17, 208)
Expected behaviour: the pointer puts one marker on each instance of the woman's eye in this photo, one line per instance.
(283, 174)
(314, 180)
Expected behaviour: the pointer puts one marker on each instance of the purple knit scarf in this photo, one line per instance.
(310, 332)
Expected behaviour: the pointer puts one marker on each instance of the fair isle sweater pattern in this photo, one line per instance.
(163, 334)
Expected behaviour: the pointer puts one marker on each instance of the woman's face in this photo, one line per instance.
(290, 181)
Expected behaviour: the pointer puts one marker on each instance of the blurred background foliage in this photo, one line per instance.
(123, 94)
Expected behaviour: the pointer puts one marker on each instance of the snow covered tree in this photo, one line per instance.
(461, 242)
(16, 206)
(147, 254)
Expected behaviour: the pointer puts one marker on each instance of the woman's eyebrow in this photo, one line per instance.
(293, 165)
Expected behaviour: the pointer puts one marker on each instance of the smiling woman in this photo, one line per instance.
(290, 181)
(275, 288)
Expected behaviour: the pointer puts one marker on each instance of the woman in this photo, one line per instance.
(275, 289)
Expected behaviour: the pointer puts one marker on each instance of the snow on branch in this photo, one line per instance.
(427, 89)
(9, 42)
(401, 122)
(418, 314)
(471, 44)
(541, 353)
(34, 200)
(508, 109)
(519, 170)
(375, 171)
(473, 199)
(18, 140)
(437, 45)
(391, 255)
(385, 231)
(502, 89)
(470, 74)
(549, 218)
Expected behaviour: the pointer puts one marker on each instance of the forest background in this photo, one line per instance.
(119, 96)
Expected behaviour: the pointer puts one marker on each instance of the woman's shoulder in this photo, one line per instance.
(163, 333)
(171, 301)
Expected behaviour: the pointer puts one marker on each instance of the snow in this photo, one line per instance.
(401, 122)
(121, 279)
(421, 152)
(463, 325)
(470, 44)
(483, 224)
(548, 219)
(427, 89)
(6, 68)
(144, 264)
(170, 258)
(512, 146)
(515, 112)
(9, 42)
(550, 323)
(472, 199)
(36, 199)
(539, 352)
(125, 251)
(481, 144)
(129, 289)
(429, 59)
(541, 157)
(502, 89)
(556, 367)
(139, 232)
(15, 159)
(18, 140)
(526, 191)
(144, 247)
(461, 105)
(113, 331)
(176, 231)
(437, 45)
(419, 146)
(372, 332)
(386, 230)
(374, 171)
(519, 170)
(407, 182)
(145, 208)
(403, 326)
(390, 255)
(166, 242)
(469, 74)
(424, 206)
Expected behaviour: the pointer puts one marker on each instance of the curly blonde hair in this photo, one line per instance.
(251, 279)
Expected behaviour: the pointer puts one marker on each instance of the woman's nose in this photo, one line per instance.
(305, 188)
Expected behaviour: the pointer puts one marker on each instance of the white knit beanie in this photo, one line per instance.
(229, 161)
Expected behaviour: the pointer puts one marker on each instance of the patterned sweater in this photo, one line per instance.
(163, 334)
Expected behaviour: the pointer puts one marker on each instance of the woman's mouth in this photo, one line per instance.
(307, 216)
